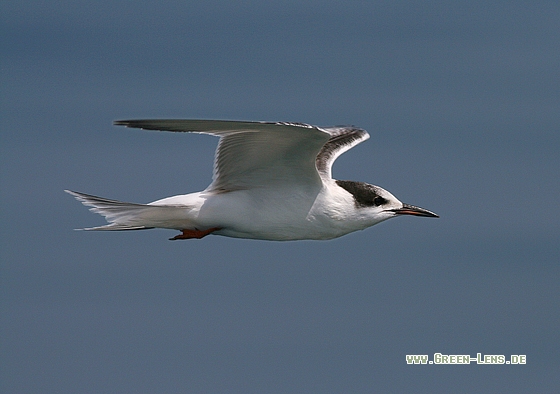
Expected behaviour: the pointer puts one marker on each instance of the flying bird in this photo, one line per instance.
(271, 181)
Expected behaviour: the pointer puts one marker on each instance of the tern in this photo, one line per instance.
(271, 181)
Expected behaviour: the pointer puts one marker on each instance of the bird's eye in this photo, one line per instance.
(377, 201)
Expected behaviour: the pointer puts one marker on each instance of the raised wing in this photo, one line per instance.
(341, 140)
(254, 154)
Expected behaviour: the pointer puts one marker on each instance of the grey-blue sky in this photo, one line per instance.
(461, 100)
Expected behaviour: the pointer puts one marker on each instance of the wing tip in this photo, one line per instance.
(147, 124)
(128, 123)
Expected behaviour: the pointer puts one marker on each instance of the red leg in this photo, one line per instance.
(196, 233)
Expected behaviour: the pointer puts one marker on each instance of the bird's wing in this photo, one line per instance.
(342, 139)
(260, 154)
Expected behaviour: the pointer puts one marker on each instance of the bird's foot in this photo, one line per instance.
(196, 233)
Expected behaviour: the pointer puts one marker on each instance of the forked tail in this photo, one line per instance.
(129, 216)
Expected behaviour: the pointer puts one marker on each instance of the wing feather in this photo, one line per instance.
(342, 139)
(253, 154)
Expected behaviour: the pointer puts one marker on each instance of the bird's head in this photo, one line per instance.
(378, 203)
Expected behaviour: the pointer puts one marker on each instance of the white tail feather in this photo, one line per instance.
(131, 216)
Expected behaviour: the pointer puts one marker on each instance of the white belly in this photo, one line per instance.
(260, 214)
(278, 214)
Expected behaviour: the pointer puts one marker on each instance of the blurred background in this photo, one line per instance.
(462, 103)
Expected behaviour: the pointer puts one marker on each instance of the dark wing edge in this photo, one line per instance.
(341, 140)
(215, 127)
